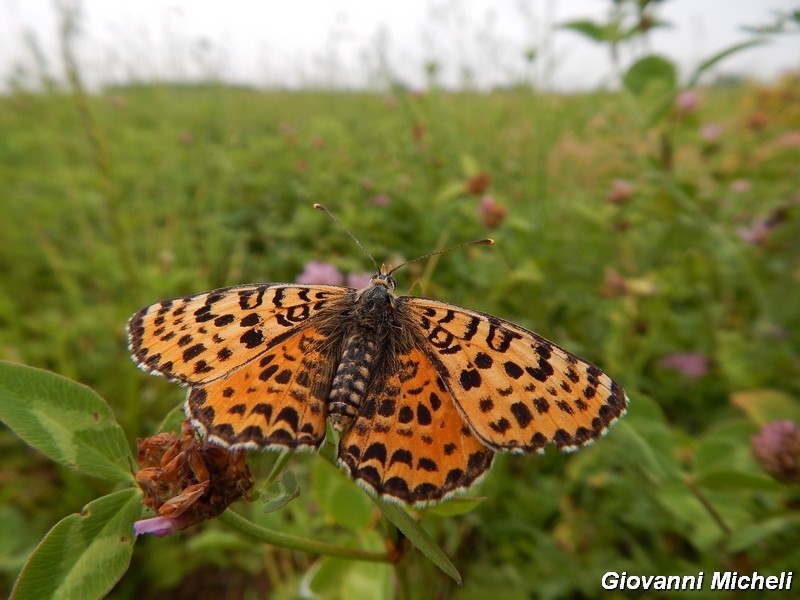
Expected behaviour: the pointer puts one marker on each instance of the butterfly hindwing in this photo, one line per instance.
(276, 400)
(516, 390)
(409, 444)
(200, 338)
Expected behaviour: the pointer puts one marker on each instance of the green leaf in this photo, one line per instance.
(707, 64)
(367, 581)
(64, 420)
(418, 536)
(450, 190)
(173, 420)
(764, 406)
(689, 515)
(17, 540)
(339, 498)
(469, 165)
(455, 506)
(726, 447)
(324, 577)
(736, 480)
(649, 70)
(782, 526)
(643, 433)
(281, 492)
(85, 554)
(338, 578)
(589, 29)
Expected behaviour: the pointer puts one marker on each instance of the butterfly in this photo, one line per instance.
(423, 393)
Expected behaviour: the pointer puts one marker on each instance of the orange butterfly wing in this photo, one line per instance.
(276, 400)
(259, 368)
(409, 444)
(200, 338)
(517, 391)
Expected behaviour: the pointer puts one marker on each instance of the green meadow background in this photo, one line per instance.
(652, 230)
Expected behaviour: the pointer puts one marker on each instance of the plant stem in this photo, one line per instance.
(285, 540)
(709, 507)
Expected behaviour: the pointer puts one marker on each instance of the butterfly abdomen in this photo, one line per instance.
(374, 328)
(351, 381)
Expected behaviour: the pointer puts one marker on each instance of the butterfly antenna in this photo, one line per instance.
(483, 242)
(348, 232)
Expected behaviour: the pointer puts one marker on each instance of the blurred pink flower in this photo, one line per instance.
(687, 101)
(358, 280)
(777, 449)
(614, 284)
(381, 200)
(691, 364)
(320, 272)
(161, 526)
(761, 228)
(621, 191)
(491, 213)
(756, 233)
(790, 139)
(740, 186)
(711, 132)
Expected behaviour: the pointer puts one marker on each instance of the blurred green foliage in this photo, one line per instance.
(628, 230)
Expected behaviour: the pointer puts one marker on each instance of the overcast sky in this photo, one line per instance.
(345, 43)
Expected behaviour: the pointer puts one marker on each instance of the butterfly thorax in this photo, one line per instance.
(373, 323)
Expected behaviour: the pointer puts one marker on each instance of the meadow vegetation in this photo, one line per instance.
(651, 230)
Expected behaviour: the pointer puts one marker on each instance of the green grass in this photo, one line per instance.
(116, 201)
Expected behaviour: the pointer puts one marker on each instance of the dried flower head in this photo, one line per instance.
(186, 480)
(478, 183)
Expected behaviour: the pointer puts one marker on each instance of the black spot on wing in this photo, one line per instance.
(469, 379)
(377, 451)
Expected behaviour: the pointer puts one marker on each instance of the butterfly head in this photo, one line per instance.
(383, 278)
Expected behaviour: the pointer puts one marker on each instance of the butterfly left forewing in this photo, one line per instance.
(517, 391)
(200, 338)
